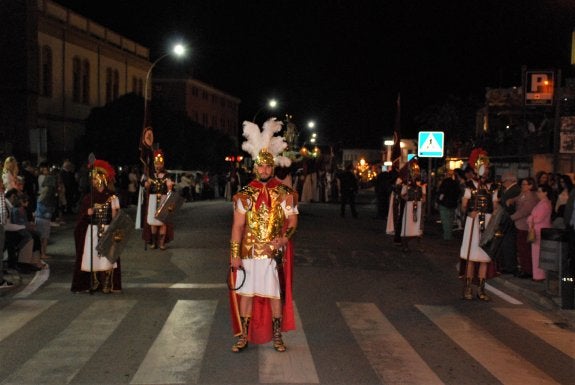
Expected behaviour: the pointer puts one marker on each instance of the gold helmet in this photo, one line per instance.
(103, 173)
(479, 161)
(264, 157)
(265, 146)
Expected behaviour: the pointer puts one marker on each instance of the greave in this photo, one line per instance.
(242, 341)
(107, 285)
(467, 290)
(277, 335)
(481, 294)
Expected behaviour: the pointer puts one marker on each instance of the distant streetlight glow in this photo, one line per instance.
(311, 124)
(272, 104)
(178, 50)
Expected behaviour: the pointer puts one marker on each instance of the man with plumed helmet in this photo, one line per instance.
(477, 203)
(265, 219)
(92, 271)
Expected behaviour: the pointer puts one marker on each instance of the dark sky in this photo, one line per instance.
(344, 62)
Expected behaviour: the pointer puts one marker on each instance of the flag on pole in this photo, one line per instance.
(396, 149)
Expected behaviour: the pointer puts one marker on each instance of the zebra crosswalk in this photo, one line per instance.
(177, 352)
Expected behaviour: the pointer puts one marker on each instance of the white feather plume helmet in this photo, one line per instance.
(263, 141)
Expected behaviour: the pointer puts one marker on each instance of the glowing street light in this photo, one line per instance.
(178, 50)
(272, 103)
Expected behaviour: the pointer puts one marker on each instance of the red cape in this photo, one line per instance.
(260, 329)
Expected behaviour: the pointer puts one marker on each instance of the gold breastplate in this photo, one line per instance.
(263, 222)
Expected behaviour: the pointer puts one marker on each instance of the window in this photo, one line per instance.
(46, 64)
(108, 85)
(86, 82)
(76, 80)
(116, 85)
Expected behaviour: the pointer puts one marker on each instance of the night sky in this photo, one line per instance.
(342, 62)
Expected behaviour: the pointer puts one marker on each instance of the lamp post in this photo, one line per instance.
(272, 103)
(178, 50)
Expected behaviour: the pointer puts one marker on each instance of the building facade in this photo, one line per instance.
(201, 102)
(61, 65)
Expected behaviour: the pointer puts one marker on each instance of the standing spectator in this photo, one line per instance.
(540, 218)
(507, 261)
(524, 204)
(565, 187)
(448, 198)
(4, 284)
(10, 174)
(46, 206)
(349, 187)
(30, 187)
(382, 193)
(133, 179)
(70, 184)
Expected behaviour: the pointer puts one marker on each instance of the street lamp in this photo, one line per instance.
(178, 50)
(272, 103)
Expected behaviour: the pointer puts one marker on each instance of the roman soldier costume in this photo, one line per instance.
(93, 271)
(266, 204)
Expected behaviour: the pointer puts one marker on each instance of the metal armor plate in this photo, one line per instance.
(116, 237)
(167, 210)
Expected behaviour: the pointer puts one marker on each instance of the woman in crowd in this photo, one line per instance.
(524, 204)
(565, 187)
(10, 174)
(540, 218)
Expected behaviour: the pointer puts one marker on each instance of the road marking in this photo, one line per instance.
(73, 347)
(390, 355)
(502, 295)
(19, 313)
(176, 355)
(494, 356)
(294, 366)
(39, 278)
(59, 285)
(543, 327)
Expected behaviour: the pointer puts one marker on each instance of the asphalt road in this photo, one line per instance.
(367, 313)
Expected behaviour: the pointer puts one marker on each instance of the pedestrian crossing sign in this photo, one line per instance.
(430, 144)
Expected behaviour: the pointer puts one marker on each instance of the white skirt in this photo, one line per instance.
(476, 253)
(261, 278)
(152, 207)
(99, 262)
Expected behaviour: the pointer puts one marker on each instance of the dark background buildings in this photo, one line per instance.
(344, 63)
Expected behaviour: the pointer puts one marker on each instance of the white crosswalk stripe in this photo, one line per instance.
(485, 348)
(65, 355)
(543, 327)
(176, 353)
(295, 366)
(387, 351)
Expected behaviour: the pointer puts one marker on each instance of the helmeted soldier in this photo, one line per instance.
(406, 207)
(157, 233)
(92, 271)
(477, 203)
(261, 256)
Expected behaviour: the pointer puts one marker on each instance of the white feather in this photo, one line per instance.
(257, 140)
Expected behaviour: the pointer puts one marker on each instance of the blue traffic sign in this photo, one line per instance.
(430, 144)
